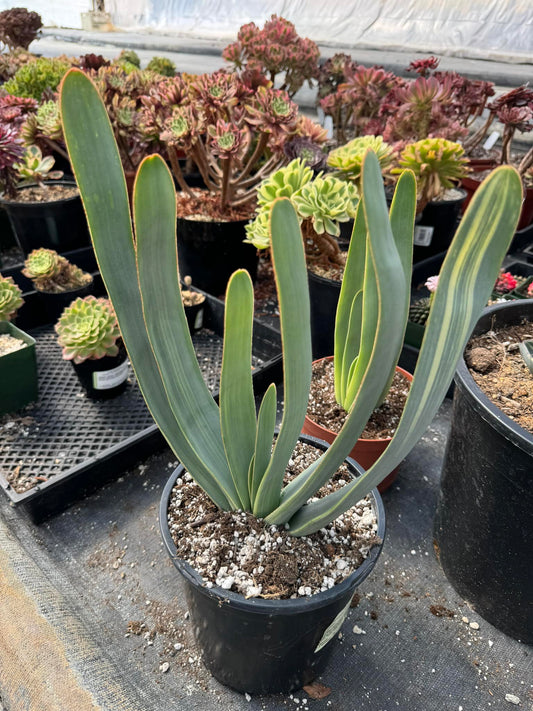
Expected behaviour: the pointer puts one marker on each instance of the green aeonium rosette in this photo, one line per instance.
(88, 329)
(10, 298)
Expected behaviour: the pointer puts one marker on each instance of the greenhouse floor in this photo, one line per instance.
(93, 615)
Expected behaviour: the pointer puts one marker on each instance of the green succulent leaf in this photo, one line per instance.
(100, 177)
(293, 294)
(266, 424)
(465, 283)
(381, 336)
(237, 404)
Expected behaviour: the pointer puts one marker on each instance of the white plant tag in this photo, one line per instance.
(423, 235)
(320, 115)
(491, 140)
(106, 379)
(199, 320)
(334, 627)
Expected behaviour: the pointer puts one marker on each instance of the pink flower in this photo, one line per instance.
(431, 283)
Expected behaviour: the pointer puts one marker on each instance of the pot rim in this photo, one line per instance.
(336, 283)
(453, 201)
(481, 402)
(71, 183)
(260, 605)
(370, 440)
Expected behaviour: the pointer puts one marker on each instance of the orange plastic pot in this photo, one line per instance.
(365, 451)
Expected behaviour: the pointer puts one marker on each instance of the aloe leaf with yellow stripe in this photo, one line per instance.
(465, 283)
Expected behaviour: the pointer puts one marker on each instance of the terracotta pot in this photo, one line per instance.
(365, 451)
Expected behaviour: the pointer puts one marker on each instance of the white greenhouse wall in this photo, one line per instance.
(483, 28)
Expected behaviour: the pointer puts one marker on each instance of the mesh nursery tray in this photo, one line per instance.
(66, 445)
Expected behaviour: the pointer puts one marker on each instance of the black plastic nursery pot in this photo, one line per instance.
(18, 372)
(103, 378)
(324, 297)
(209, 252)
(436, 227)
(55, 303)
(264, 646)
(483, 531)
(60, 225)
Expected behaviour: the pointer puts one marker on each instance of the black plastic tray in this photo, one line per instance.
(76, 444)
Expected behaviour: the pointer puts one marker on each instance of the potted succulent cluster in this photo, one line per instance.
(18, 364)
(89, 335)
(439, 166)
(227, 448)
(272, 52)
(235, 137)
(44, 211)
(57, 281)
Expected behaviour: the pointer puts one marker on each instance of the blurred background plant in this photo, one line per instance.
(274, 51)
(19, 27)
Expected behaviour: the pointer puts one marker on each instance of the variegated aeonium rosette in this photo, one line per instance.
(321, 202)
(10, 298)
(88, 329)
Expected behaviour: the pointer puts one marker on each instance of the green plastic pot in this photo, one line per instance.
(18, 372)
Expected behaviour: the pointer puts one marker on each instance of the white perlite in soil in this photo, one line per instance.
(238, 552)
(8, 344)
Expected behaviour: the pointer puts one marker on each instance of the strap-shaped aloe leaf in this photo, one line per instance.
(195, 411)
(266, 424)
(465, 283)
(402, 220)
(384, 287)
(237, 404)
(293, 295)
(98, 170)
(349, 310)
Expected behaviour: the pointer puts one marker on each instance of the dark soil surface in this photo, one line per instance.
(324, 409)
(239, 552)
(496, 365)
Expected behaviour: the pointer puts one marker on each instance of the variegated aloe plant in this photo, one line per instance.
(228, 449)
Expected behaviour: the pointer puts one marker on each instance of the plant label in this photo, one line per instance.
(423, 235)
(106, 379)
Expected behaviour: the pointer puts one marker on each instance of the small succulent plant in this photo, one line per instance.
(276, 49)
(36, 77)
(11, 151)
(34, 168)
(162, 65)
(19, 27)
(529, 291)
(505, 283)
(419, 310)
(10, 298)
(321, 204)
(52, 273)
(436, 163)
(347, 160)
(88, 330)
